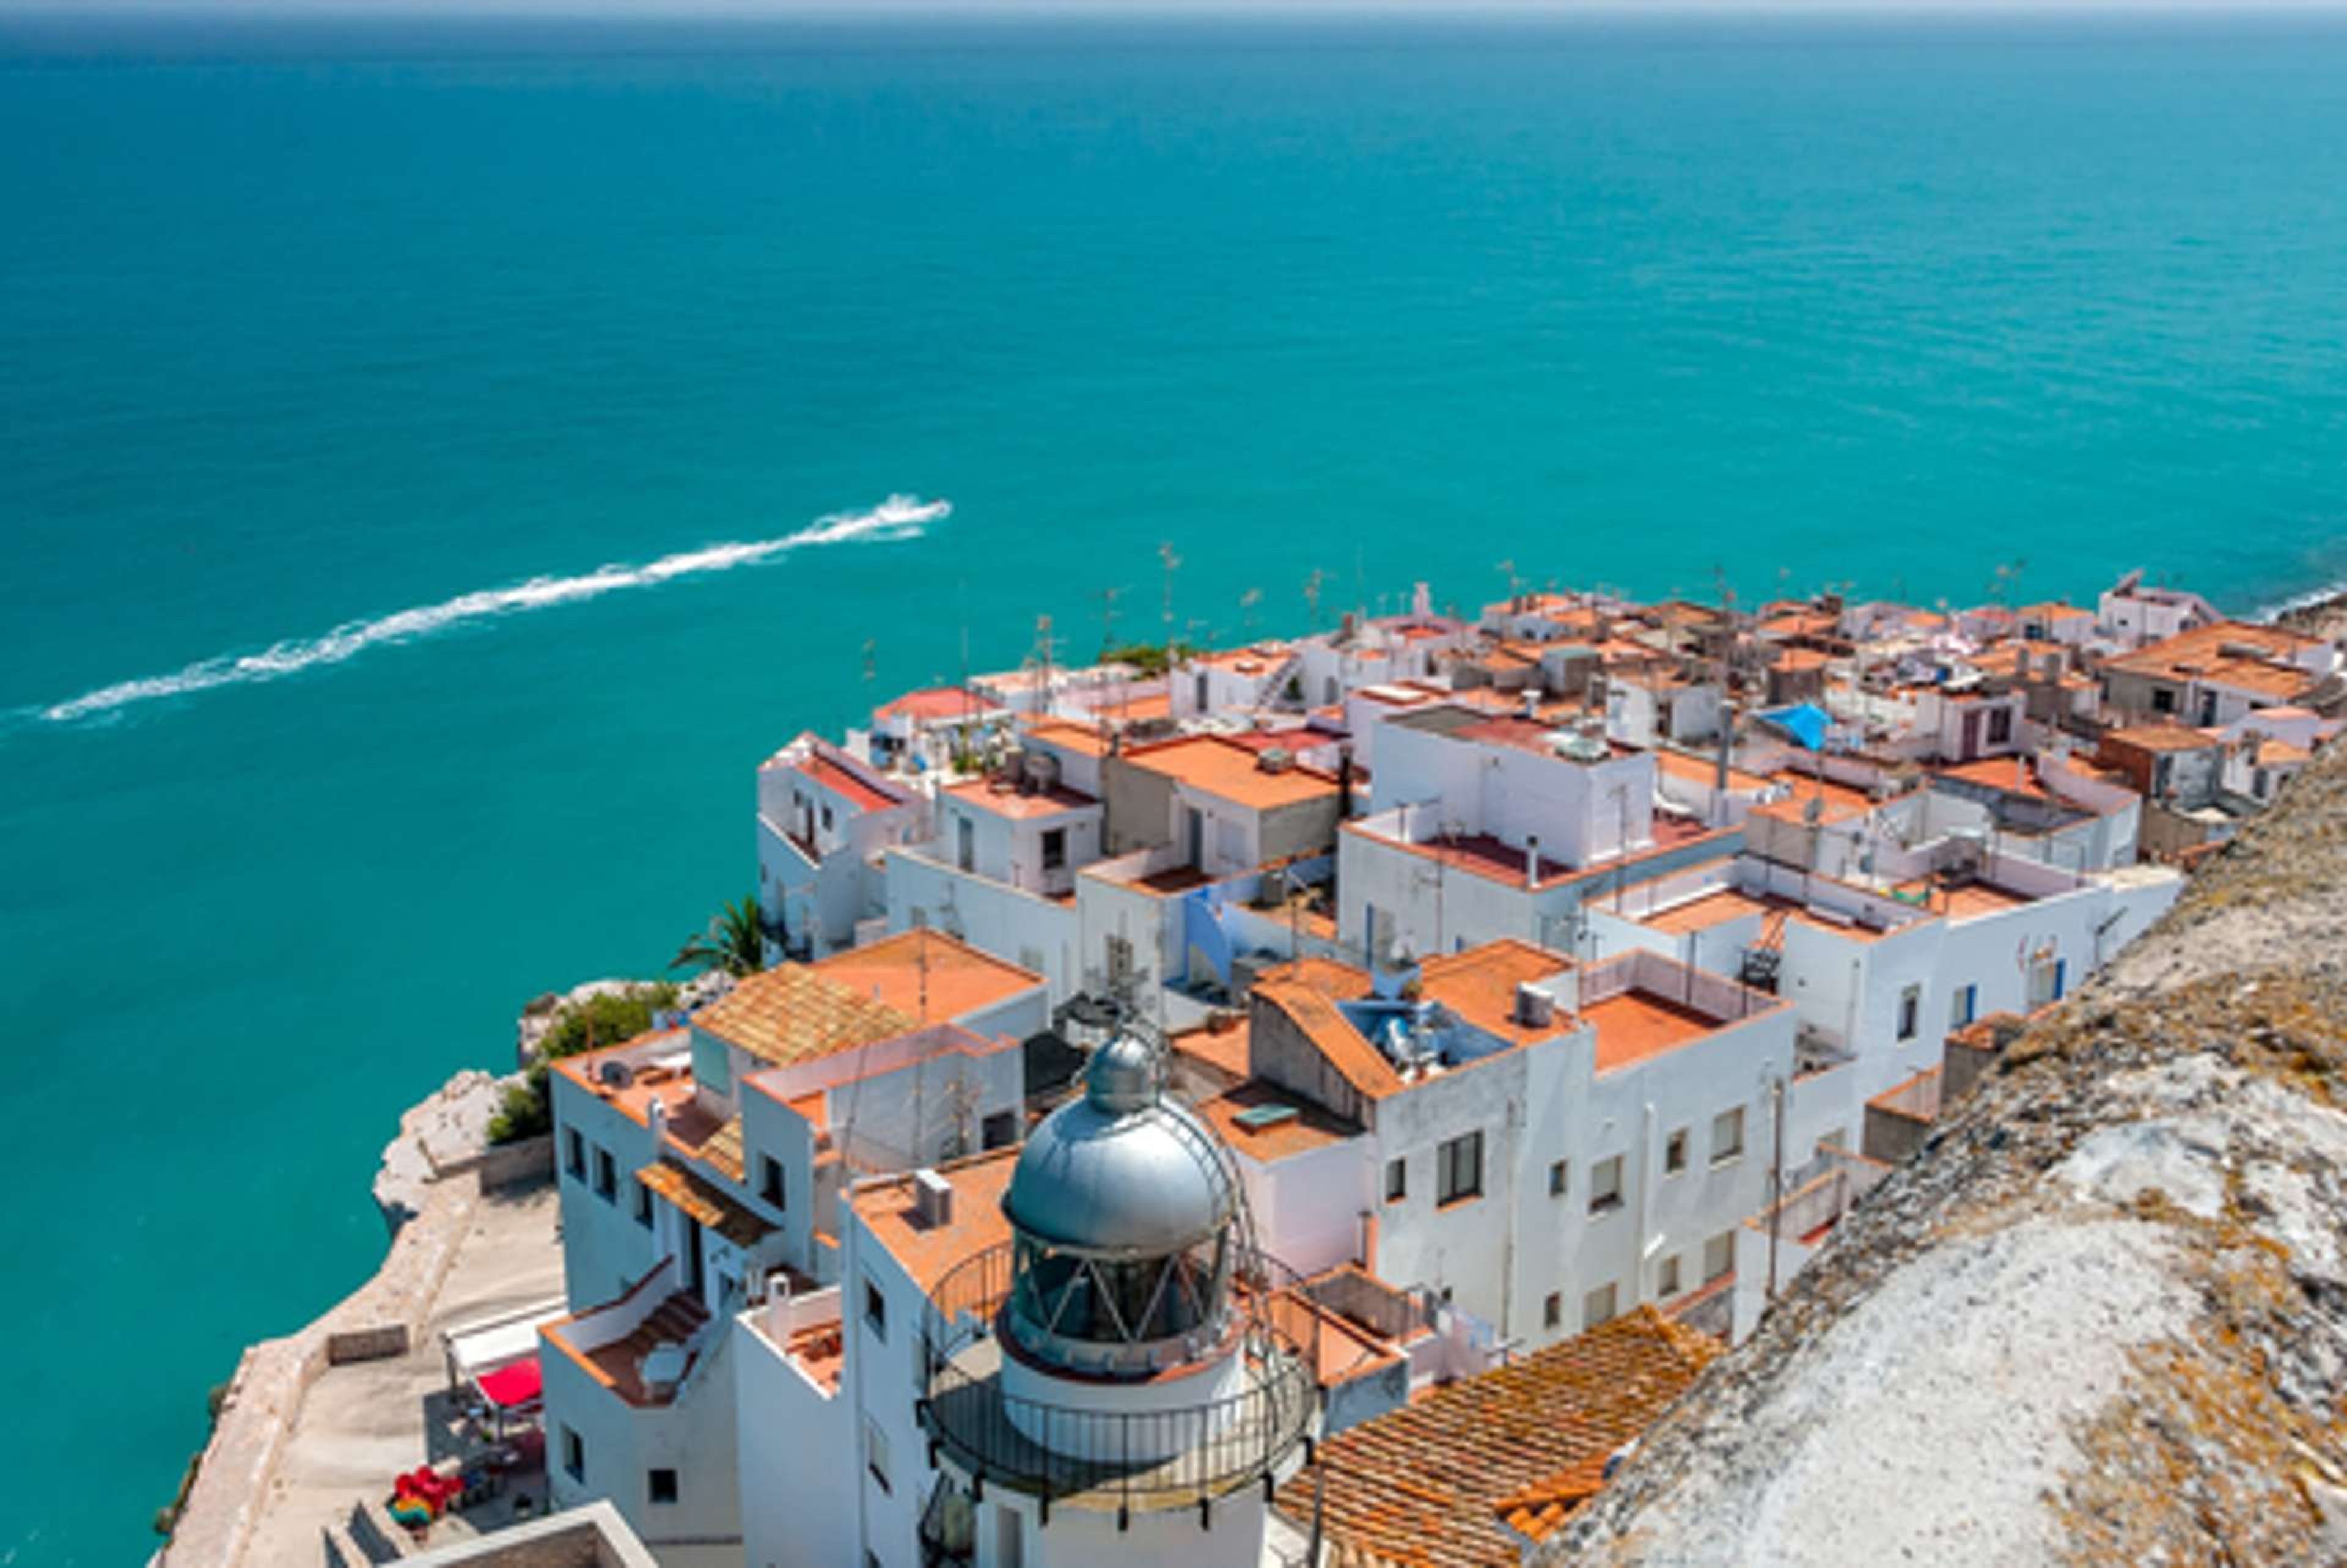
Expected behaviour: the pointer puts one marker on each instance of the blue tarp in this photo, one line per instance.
(1804, 721)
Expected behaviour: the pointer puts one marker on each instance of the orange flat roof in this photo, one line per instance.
(1714, 908)
(1480, 986)
(1085, 739)
(926, 975)
(1634, 1027)
(1006, 799)
(1226, 769)
(1304, 1128)
(890, 1210)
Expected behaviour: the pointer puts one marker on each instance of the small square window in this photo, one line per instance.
(1719, 1256)
(574, 1454)
(607, 1176)
(643, 1205)
(875, 1309)
(1552, 1309)
(1397, 1180)
(1666, 1278)
(1605, 1184)
(1459, 1168)
(660, 1486)
(1598, 1307)
(1055, 848)
(1961, 1000)
(1675, 1152)
(1557, 1173)
(770, 1180)
(1728, 1136)
(1910, 1011)
(574, 1152)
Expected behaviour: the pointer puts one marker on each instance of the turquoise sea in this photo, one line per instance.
(314, 338)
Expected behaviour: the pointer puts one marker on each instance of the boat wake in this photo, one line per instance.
(897, 517)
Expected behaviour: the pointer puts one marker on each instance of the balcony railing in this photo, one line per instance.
(1173, 1457)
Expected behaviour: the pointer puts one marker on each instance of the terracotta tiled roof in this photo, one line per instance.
(1424, 1485)
(724, 1149)
(793, 1014)
(1536, 1511)
(705, 1202)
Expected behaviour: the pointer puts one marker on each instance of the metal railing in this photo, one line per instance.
(1174, 1456)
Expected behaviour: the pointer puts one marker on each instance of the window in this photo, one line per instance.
(1605, 1184)
(607, 1176)
(1597, 1307)
(1675, 1152)
(1719, 1256)
(875, 1309)
(2000, 726)
(1397, 1180)
(875, 1452)
(574, 1152)
(1911, 1012)
(2163, 700)
(827, 817)
(770, 1180)
(1961, 1004)
(998, 1129)
(1727, 1135)
(1055, 848)
(574, 1454)
(1459, 1168)
(2259, 782)
(643, 1205)
(965, 844)
(1552, 1309)
(1120, 960)
(1666, 1278)
(660, 1485)
(1556, 1179)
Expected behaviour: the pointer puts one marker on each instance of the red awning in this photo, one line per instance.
(513, 1385)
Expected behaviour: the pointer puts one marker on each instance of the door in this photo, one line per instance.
(1197, 837)
(693, 1275)
(965, 844)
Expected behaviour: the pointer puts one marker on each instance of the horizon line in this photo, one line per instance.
(1433, 10)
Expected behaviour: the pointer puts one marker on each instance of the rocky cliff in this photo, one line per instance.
(2102, 1316)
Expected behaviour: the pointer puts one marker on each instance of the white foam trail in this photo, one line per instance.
(897, 517)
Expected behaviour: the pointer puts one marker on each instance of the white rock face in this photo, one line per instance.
(1959, 1343)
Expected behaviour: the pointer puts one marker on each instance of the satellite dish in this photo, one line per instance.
(616, 1074)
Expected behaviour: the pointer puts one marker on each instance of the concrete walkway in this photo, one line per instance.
(359, 1425)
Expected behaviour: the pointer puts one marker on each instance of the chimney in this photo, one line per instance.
(1421, 601)
(656, 1117)
(1531, 863)
(1535, 1009)
(1531, 703)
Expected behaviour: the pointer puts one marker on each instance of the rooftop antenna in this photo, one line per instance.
(1108, 598)
(871, 660)
(1248, 603)
(1311, 595)
(1173, 564)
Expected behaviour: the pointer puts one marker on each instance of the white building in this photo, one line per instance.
(824, 818)
(700, 1168)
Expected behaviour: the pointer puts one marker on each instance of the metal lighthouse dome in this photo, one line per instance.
(1123, 1208)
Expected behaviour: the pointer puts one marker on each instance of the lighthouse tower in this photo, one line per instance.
(1116, 1383)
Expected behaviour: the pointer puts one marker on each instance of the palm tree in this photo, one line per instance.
(734, 940)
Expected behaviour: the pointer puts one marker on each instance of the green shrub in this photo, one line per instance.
(600, 1020)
